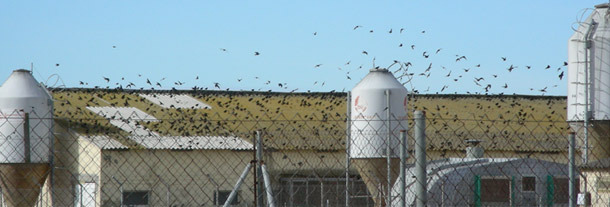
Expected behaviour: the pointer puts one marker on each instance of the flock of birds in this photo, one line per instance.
(405, 71)
(232, 108)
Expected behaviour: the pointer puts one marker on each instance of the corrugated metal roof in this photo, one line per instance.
(602, 164)
(192, 143)
(175, 101)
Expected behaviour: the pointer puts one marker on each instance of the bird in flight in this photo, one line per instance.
(106, 79)
(364, 52)
(317, 66)
(439, 49)
(223, 49)
(315, 33)
(503, 58)
(56, 64)
(561, 75)
(402, 29)
(257, 53)
(390, 31)
(357, 26)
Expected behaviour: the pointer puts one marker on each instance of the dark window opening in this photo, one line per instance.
(528, 184)
(222, 197)
(135, 198)
(562, 189)
(495, 190)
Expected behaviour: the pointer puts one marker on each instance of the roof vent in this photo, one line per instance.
(474, 150)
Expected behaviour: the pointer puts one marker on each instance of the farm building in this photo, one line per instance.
(491, 182)
(303, 146)
(188, 147)
(597, 175)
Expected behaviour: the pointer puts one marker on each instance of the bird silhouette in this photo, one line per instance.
(357, 26)
(503, 58)
(561, 75)
(257, 53)
(365, 52)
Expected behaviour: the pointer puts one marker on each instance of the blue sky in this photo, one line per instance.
(173, 42)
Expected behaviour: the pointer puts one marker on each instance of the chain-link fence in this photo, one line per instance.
(124, 149)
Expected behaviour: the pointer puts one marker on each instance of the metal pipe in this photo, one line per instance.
(403, 165)
(242, 177)
(348, 132)
(26, 137)
(420, 158)
(217, 202)
(120, 188)
(259, 173)
(268, 188)
(572, 172)
(388, 150)
(587, 95)
(587, 85)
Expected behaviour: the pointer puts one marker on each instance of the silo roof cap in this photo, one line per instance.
(378, 69)
(21, 70)
(601, 6)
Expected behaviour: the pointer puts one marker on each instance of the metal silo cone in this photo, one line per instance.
(374, 174)
(21, 183)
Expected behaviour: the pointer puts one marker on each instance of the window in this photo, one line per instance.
(495, 190)
(562, 190)
(222, 197)
(528, 184)
(135, 198)
(85, 195)
(312, 191)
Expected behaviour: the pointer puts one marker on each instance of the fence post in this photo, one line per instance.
(420, 158)
(572, 172)
(26, 137)
(259, 171)
(403, 165)
(347, 146)
(388, 148)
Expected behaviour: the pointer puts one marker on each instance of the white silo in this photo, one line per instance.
(26, 123)
(377, 101)
(589, 84)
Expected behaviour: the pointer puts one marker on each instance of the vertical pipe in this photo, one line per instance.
(348, 132)
(420, 158)
(259, 172)
(388, 150)
(587, 96)
(587, 93)
(26, 137)
(120, 189)
(268, 188)
(242, 177)
(571, 172)
(403, 165)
